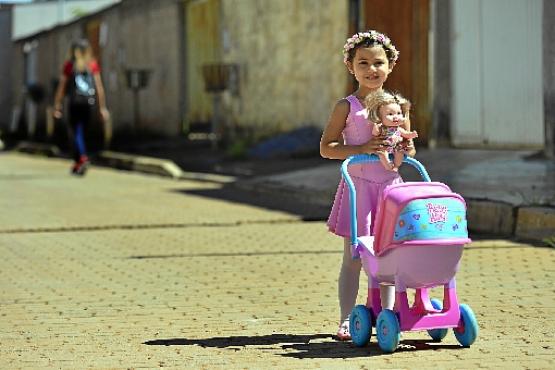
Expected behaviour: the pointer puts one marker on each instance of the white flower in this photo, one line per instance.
(380, 38)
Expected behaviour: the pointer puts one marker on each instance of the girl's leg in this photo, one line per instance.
(348, 282)
(79, 138)
(78, 118)
(387, 295)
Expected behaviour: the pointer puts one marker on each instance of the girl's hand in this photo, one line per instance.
(408, 147)
(375, 144)
(105, 114)
(57, 114)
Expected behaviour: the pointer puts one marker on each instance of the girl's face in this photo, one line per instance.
(370, 67)
(392, 114)
(85, 54)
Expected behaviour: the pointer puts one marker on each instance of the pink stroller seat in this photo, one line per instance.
(420, 232)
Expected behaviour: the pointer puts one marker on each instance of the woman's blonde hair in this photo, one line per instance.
(379, 98)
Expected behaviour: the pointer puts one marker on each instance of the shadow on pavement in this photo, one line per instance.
(274, 201)
(302, 345)
(239, 341)
(239, 254)
(348, 350)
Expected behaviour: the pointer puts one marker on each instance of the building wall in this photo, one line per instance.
(5, 65)
(441, 73)
(549, 76)
(138, 34)
(144, 34)
(288, 52)
(290, 60)
(203, 35)
(497, 73)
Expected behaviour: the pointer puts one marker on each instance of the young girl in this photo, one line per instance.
(82, 82)
(370, 57)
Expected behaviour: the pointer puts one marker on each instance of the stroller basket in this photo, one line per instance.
(417, 213)
(412, 213)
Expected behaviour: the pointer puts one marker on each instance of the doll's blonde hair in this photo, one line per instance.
(377, 99)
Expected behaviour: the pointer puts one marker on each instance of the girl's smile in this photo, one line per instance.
(370, 67)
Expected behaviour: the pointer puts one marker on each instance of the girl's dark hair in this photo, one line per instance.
(368, 43)
(368, 39)
(81, 44)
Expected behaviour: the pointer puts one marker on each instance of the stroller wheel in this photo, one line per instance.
(388, 331)
(467, 332)
(437, 334)
(360, 325)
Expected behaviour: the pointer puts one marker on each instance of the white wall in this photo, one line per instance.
(29, 19)
(497, 73)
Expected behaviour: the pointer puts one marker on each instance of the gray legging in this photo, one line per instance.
(349, 276)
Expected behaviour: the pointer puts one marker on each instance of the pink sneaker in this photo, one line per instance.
(343, 332)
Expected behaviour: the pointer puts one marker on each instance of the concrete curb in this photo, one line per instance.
(28, 147)
(156, 166)
(129, 162)
(490, 217)
(537, 223)
(485, 216)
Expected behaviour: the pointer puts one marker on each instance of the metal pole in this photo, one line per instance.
(215, 129)
(135, 109)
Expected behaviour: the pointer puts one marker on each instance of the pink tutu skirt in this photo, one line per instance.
(370, 180)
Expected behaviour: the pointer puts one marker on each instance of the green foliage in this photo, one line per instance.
(549, 241)
(238, 149)
(78, 12)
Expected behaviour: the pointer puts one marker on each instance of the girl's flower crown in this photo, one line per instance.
(379, 38)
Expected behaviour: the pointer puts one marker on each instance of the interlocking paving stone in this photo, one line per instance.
(212, 292)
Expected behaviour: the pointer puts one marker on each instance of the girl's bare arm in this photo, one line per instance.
(100, 91)
(59, 96)
(60, 92)
(331, 144)
(409, 144)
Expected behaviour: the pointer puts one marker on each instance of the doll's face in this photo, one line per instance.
(392, 114)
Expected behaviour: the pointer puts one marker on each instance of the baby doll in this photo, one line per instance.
(389, 112)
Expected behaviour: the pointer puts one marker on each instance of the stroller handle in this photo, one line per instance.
(363, 158)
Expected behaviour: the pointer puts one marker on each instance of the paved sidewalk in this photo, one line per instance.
(496, 184)
(118, 270)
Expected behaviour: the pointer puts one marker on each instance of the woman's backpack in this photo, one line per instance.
(82, 89)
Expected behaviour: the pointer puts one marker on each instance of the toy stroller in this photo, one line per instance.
(419, 236)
